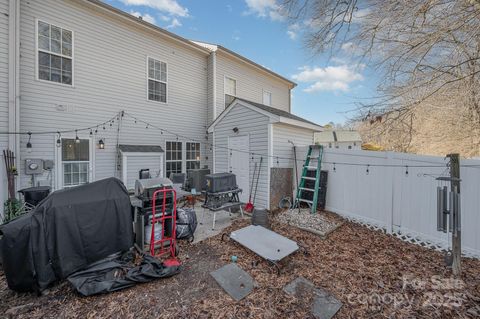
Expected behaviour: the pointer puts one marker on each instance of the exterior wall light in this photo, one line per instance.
(101, 144)
(235, 129)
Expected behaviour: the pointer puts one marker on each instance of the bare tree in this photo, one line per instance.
(421, 49)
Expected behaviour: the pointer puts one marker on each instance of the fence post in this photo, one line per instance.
(391, 184)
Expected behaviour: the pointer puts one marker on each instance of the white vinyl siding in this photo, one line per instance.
(256, 126)
(282, 133)
(250, 84)
(55, 53)
(230, 90)
(267, 98)
(136, 162)
(110, 75)
(157, 80)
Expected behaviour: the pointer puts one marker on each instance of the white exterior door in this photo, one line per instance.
(239, 164)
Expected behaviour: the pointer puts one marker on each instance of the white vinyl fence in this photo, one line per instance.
(400, 195)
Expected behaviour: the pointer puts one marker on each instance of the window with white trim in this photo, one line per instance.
(230, 90)
(267, 98)
(55, 53)
(157, 80)
(173, 157)
(192, 155)
(75, 161)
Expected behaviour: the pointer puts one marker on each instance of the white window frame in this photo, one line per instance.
(59, 161)
(225, 86)
(37, 78)
(183, 156)
(148, 78)
(193, 160)
(263, 97)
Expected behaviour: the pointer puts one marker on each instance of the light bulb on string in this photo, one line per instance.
(91, 132)
(77, 140)
(29, 143)
(59, 141)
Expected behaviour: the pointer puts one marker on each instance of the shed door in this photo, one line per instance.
(239, 163)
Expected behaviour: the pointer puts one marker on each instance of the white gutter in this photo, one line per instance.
(13, 78)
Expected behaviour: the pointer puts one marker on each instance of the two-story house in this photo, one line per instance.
(69, 68)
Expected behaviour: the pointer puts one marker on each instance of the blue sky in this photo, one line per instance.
(328, 86)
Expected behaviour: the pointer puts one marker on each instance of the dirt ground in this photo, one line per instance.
(373, 274)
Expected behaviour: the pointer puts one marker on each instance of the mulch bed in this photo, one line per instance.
(373, 274)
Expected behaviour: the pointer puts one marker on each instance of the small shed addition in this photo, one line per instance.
(137, 157)
(246, 132)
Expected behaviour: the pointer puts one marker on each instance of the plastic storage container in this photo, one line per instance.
(221, 182)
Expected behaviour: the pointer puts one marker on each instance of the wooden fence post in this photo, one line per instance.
(456, 229)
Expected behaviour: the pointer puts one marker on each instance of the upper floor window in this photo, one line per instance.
(230, 90)
(267, 98)
(55, 53)
(157, 80)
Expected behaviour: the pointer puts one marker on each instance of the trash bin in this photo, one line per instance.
(34, 195)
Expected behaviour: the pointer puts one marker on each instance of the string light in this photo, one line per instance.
(29, 143)
(368, 169)
(77, 140)
(59, 141)
(334, 168)
(406, 170)
(91, 132)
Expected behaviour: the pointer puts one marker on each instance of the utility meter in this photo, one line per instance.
(33, 166)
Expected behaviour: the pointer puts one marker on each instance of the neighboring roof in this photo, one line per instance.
(140, 148)
(142, 22)
(278, 116)
(215, 47)
(337, 136)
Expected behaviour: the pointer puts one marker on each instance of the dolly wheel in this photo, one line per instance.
(176, 250)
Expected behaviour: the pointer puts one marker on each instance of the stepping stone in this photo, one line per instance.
(234, 280)
(324, 304)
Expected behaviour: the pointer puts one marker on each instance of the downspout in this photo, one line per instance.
(214, 102)
(13, 79)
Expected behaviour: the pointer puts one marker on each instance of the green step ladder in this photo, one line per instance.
(311, 155)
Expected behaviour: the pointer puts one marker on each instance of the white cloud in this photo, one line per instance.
(330, 78)
(265, 8)
(236, 37)
(168, 6)
(175, 23)
(164, 18)
(293, 31)
(145, 17)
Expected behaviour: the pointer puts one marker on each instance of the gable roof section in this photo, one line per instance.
(275, 115)
(217, 47)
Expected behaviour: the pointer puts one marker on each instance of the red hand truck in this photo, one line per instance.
(164, 216)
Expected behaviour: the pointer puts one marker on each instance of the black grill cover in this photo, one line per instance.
(69, 230)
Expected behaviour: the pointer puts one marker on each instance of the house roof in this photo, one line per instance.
(337, 136)
(140, 148)
(217, 47)
(276, 115)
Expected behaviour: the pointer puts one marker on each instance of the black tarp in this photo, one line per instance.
(69, 230)
(119, 272)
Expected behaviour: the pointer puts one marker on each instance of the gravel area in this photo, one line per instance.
(321, 223)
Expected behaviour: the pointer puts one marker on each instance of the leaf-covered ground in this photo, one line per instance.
(373, 274)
